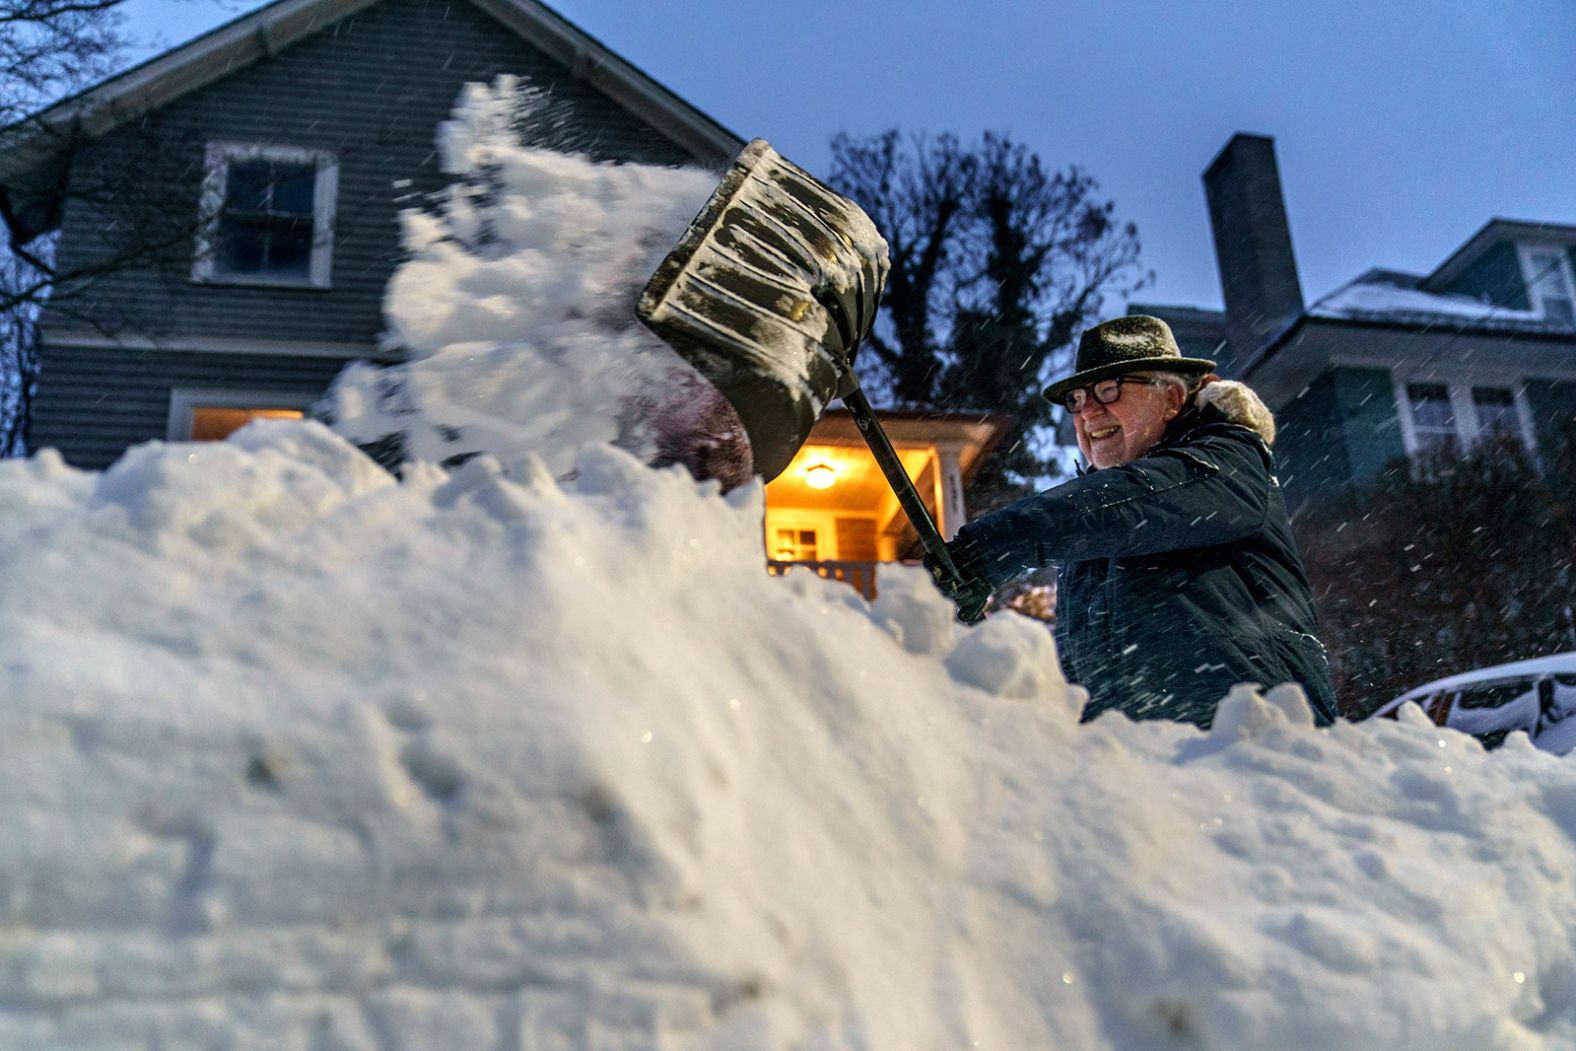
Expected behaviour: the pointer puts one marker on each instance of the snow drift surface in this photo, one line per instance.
(531, 754)
(294, 755)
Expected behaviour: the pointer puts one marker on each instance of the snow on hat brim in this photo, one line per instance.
(1132, 343)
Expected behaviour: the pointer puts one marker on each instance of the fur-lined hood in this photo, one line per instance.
(1239, 404)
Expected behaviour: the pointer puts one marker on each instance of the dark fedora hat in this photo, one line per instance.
(1131, 343)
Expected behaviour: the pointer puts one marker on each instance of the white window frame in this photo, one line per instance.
(823, 522)
(216, 172)
(185, 401)
(1462, 407)
(1529, 273)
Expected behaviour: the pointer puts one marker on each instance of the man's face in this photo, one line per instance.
(1114, 434)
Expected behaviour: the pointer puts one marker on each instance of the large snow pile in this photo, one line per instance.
(297, 755)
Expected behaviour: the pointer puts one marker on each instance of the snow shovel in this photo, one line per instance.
(768, 295)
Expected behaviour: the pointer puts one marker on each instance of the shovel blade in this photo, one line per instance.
(766, 295)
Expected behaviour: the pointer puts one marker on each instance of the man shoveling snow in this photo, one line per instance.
(1178, 575)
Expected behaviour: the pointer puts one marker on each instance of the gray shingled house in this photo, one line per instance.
(1390, 365)
(230, 206)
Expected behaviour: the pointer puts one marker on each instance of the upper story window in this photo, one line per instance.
(1445, 418)
(1547, 271)
(267, 216)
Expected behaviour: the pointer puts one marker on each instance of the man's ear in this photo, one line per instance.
(1175, 396)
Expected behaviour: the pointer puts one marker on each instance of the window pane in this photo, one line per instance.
(1431, 406)
(1433, 418)
(1492, 696)
(1496, 410)
(241, 246)
(212, 423)
(1550, 291)
(293, 187)
(266, 225)
(290, 248)
(1547, 274)
(246, 186)
(275, 247)
(795, 545)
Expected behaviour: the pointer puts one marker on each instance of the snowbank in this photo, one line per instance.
(294, 755)
(532, 754)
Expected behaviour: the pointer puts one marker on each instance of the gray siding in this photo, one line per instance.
(99, 402)
(1370, 422)
(1339, 435)
(1310, 448)
(1495, 277)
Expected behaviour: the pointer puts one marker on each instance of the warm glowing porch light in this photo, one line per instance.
(819, 476)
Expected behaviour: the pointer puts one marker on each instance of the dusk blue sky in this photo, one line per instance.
(1401, 127)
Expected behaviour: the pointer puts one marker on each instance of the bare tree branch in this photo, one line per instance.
(997, 264)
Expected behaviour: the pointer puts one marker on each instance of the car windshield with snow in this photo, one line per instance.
(1535, 696)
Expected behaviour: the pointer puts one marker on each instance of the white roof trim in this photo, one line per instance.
(266, 31)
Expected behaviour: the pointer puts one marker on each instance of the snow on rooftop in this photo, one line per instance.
(1385, 296)
(296, 754)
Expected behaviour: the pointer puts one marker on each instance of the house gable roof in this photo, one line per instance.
(261, 34)
(1492, 233)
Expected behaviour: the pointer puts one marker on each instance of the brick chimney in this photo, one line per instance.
(1258, 272)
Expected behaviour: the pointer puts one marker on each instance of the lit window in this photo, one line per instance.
(213, 414)
(267, 216)
(795, 545)
(212, 423)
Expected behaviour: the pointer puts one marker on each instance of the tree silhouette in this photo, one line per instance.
(997, 264)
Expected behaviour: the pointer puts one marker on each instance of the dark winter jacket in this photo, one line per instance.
(1177, 573)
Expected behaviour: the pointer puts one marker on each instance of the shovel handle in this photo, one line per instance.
(902, 485)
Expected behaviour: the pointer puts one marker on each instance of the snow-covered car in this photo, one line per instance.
(1537, 696)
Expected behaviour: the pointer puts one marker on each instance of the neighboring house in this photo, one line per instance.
(1390, 365)
(832, 509)
(232, 204)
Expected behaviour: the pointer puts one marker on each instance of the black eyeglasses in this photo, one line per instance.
(1105, 392)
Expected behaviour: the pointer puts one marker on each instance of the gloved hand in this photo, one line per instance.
(969, 592)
